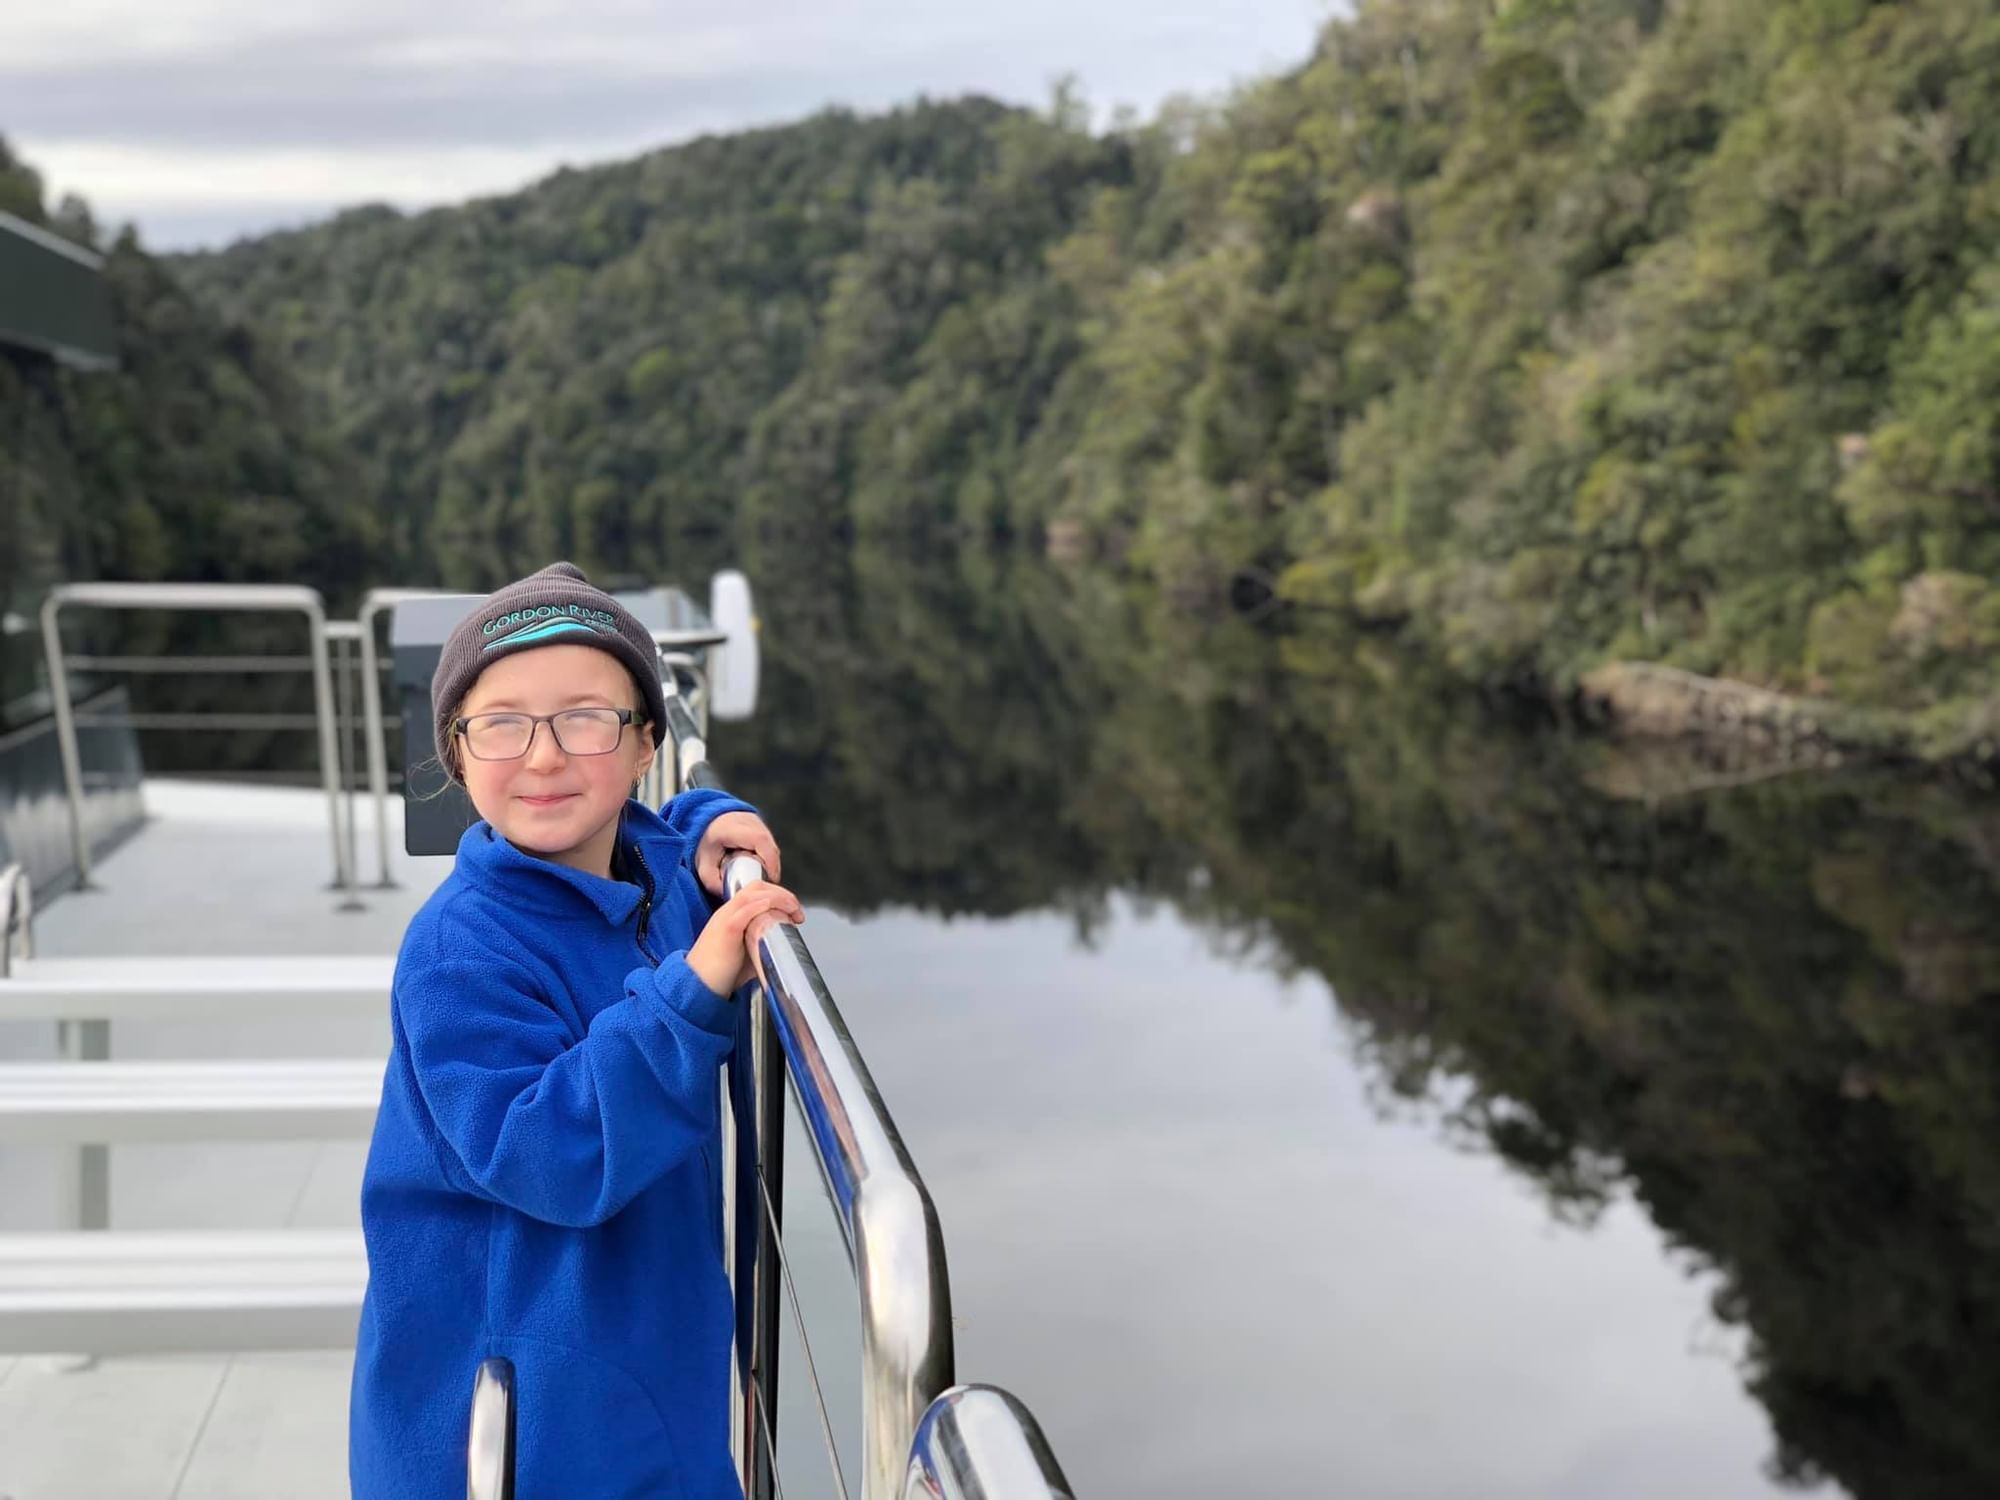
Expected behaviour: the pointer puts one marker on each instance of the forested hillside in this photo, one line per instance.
(1544, 333)
(1561, 330)
(195, 459)
(620, 356)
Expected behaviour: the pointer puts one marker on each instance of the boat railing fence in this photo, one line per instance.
(277, 598)
(348, 670)
(922, 1433)
(340, 673)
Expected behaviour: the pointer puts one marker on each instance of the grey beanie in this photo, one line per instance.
(555, 607)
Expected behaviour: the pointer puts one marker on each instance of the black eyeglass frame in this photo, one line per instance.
(625, 716)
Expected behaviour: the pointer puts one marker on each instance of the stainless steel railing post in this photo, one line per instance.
(72, 762)
(341, 636)
(17, 917)
(665, 777)
(489, 1456)
(738, 1362)
(688, 742)
(696, 695)
(690, 749)
(767, 1074)
(329, 743)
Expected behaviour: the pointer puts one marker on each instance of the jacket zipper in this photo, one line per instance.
(645, 904)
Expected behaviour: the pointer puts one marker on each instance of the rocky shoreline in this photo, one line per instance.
(1651, 701)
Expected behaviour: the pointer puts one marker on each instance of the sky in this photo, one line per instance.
(206, 120)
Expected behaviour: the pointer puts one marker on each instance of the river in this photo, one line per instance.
(1334, 1083)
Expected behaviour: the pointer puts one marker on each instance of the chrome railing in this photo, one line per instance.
(344, 654)
(976, 1442)
(921, 1434)
(890, 1228)
(343, 650)
(341, 638)
(17, 917)
(676, 650)
(489, 1456)
(288, 598)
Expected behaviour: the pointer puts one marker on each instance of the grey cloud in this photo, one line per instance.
(356, 89)
(212, 106)
(335, 90)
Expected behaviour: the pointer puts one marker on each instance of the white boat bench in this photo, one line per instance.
(176, 1292)
(191, 988)
(264, 1099)
(99, 1292)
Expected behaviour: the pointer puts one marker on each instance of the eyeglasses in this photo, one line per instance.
(577, 731)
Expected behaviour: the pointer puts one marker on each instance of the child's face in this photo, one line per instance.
(577, 827)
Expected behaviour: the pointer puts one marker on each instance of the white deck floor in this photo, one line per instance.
(218, 870)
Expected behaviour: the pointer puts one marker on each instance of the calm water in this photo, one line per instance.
(1331, 1085)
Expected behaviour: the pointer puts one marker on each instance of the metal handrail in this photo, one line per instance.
(184, 596)
(977, 1442)
(489, 1455)
(888, 1223)
(17, 917)
(224, 721)
(341, 636)
(687, 717)
(206, 662)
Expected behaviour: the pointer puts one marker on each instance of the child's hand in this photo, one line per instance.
(720, 957)
(728, 833)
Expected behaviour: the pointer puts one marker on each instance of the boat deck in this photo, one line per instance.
(216, 870)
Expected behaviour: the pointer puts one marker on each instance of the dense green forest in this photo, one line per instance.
(1544, 333)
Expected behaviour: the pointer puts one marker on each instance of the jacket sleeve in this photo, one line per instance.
(563, 1130)
(689, 815)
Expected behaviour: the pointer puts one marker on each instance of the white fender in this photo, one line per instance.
(732, 666)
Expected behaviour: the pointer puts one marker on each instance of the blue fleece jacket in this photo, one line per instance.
(543, 1180)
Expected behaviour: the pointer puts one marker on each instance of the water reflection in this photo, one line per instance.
(1181, 1231)
(1764, 1012)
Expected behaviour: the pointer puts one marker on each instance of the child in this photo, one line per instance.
(543, 1181)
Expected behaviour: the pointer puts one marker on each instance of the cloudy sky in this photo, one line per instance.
(207, 119)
